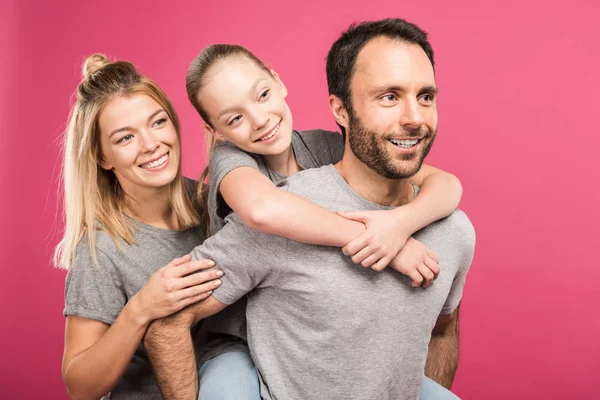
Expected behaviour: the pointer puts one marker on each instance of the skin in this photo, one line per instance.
(393, 91)
(133, 131)
(393, 95)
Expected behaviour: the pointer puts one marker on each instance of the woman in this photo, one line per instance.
(130, 217)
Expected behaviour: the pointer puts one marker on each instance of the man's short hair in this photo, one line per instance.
(341, 59)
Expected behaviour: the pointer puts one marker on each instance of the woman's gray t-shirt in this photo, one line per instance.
(101, 291)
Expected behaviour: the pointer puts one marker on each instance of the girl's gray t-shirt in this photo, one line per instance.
(226, 331)
(101, 291)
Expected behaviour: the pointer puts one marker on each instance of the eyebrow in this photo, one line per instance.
(230, 109)
(128, 128)
(381, 89)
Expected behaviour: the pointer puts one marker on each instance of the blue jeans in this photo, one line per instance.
(233, 376)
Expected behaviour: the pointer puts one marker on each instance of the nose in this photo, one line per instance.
(149, 141)
(412, 116)
(260, 118)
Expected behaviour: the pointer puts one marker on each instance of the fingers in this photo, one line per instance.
(426, 274)
(356, 215)
(417, 278)
(381, 264)
(201, 277)
(193, 299)
(433, 256)
(433, 266)
(363, 255)
(197, 290)
(190, 267)
(356, 245)
(177, 261)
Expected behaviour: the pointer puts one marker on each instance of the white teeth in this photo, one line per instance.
(270, 135)
(404, 143)
(156, 163)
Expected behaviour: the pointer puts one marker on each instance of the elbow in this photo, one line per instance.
(261, 214)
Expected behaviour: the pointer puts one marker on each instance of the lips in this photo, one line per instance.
(157, 162)
(271, 133)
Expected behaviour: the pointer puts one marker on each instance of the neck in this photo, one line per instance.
(152, 207)
(284, 163)
(372, 186)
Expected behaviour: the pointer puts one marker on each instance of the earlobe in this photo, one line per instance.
(279, 83)
(339, 111)
(104, 165)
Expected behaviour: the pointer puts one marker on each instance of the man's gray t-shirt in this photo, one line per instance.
(226, 331)
(319, 327)
(101, 291)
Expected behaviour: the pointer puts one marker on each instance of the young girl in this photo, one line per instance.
(243, 106)
(129, 218)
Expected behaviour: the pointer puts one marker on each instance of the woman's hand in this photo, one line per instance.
(175, 286)
(416, 261)
(382, 240)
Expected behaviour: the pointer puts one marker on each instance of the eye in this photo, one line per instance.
(159, 122)
(264, 94)
(234, 120)
(389, 97)
(427, 98)
(125, 138)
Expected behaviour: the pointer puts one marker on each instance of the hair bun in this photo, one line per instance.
(93, 63)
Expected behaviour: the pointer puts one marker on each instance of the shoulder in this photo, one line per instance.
(316, 137)
(456, 230)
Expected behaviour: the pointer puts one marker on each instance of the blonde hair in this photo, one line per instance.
(93, 198)
(194, 80)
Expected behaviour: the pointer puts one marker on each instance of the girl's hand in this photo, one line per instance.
(175, 286)
(382, 240)
(416, 261)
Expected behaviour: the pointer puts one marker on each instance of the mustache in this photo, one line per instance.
(420, 132)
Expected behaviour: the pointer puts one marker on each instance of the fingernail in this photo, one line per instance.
(211, 263)
(219, 273)
(218, 282)
(209, 292)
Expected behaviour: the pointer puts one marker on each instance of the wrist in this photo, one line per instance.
(405, 220)
(134, 311)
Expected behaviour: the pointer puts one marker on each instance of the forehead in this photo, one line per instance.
(391, 62)
(229, 78)
(127, 111)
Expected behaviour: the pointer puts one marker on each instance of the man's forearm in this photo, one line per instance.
(171, 352)
(442, 357)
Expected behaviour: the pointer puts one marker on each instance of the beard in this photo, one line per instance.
(371, 149)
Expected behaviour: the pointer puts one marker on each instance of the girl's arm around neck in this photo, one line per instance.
(263, 207)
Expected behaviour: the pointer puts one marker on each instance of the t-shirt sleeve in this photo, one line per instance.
(326, 147)
(93, 291)
(246, 256)
(466, 245)
(225, 158)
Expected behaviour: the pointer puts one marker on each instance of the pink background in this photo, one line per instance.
(518, 124)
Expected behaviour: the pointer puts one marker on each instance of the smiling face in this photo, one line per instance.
(246, 106)
(393, 118)
(139, 143)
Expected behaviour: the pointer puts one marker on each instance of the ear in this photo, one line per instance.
(279, 83)
(104, 164)
(217, 135)
(339, 111)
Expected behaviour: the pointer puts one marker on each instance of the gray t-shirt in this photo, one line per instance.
(226, 331)
(319, 327)
(101, 291)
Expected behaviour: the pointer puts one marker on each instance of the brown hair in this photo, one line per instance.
(93, 198)
(199, 69)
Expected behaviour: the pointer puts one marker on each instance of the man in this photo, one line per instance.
(318, 327)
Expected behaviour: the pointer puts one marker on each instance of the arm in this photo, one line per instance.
(442, 358)
(439, 195)
(171, 350)
(388, 231)
(263, 207)
(97, 354)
